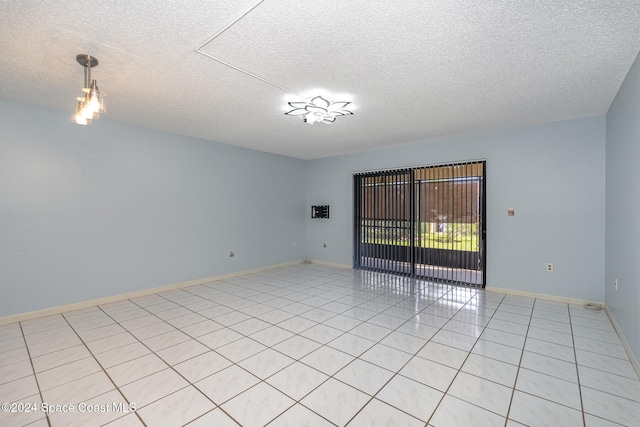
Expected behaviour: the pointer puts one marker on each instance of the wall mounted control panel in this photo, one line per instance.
(320, 211)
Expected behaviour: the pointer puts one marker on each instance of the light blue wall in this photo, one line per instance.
(89, 212)
(553, 175)
(623, 208)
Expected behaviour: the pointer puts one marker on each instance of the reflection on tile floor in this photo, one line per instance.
(311, 345)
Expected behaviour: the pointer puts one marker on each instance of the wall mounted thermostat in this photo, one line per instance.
(320, 211)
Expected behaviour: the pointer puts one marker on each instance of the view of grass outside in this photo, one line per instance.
(451, 236)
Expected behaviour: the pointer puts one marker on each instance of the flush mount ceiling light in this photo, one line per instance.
(91, 103)
(319, 110)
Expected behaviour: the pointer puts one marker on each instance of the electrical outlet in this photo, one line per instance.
(549, 267)
(232, 253)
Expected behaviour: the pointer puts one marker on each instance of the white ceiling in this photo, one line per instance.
(413, 69)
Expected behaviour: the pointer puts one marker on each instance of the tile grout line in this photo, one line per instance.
(396, 373)
(450, 318)
(35, 377)
(171, 366)
(299, 401)
(575, 357)
(103, 368)
(446, 392)
(245, 336)
(515, 381)
(379, 342)
(296, 401)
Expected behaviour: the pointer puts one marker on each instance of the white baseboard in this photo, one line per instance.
(329, 264)
(99, 301)
(625, 343)
(541, 296)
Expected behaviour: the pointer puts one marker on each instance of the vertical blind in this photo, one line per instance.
(424, 222)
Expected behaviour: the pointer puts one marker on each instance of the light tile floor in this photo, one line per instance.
(311, 345)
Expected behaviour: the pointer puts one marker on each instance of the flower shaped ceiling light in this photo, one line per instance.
(319, 110)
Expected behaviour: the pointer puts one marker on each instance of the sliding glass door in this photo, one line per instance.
(426, 222)
(383, 214)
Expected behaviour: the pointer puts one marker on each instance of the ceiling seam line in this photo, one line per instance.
(226, 27)
(248, 73)
(242, 70)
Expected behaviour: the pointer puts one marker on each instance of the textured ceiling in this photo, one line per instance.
(414, 70)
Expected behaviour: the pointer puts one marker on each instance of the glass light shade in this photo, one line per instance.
(80, 120)
(79, 117)
(94, 98)
(87, 111)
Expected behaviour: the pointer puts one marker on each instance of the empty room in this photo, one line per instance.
(285, 213)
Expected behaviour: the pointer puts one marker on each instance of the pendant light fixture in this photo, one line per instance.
(91, 103)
